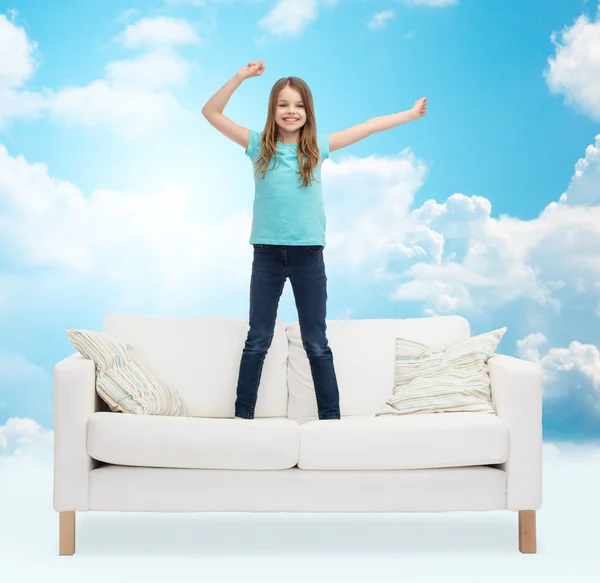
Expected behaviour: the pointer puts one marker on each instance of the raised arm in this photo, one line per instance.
(213, 109)
(376, 124)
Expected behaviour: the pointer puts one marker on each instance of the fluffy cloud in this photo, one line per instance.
(159, 31)
(379, 19)
(15, 44)
(152, 70)
(454, 256)
(133, 99)
(24, 438)
(571, 382)
(584, 187)
(574, 71)
(153, 247)
(18, 63)
(289, 18)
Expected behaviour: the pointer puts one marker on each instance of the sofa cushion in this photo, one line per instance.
(123, 380)
(364, 359)
(447, 378)
(192, 442)
(200, 358)
(399, 442)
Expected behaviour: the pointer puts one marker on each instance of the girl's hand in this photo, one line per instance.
(252, 69)
(419, 109)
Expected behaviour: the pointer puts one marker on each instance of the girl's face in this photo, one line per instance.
(289, 113)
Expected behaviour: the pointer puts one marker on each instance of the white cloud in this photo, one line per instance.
(454, 256)
(584, 187)
(18, 63)
(159, 31)
(571, 385)
(379, 19)
(578, 357)
(152, 70)
(574, 71)
(24, 438)
(529, 347)
(129, 113)
(154, 247)
(355, 218)
(289, 18)
(134, 98)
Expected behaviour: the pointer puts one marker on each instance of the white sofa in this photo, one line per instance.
(286, 459)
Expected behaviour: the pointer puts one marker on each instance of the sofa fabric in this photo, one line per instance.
(403, 442)
(75, 400)
(193, 442)
(200, 358)
(517, 399)
(119, 488)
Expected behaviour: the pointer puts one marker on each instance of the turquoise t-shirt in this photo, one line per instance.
(285, 213)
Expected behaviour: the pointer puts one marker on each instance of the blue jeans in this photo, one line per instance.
(271, 267)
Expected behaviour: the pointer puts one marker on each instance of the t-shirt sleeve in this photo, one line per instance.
(253, 144)
(323, 143)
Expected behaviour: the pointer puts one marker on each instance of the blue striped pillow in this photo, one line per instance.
(123, 379)
(445, 378)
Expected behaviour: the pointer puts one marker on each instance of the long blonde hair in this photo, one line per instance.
(308, 150)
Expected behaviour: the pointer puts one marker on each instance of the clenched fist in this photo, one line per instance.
(419, 109)
(252, 69)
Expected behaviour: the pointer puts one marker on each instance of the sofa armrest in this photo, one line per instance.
(75, 400)
(516, 387)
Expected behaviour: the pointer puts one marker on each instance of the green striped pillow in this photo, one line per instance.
(123, 379)
(444, 378)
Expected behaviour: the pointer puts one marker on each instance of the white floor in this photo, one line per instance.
(304, 547)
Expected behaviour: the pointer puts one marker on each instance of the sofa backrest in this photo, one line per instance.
(364, 357)
(200, 358)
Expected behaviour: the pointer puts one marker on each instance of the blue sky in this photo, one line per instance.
(116, 195)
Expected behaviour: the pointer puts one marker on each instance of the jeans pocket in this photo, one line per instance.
(315, 248)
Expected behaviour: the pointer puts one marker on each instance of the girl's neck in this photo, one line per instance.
(290, 139)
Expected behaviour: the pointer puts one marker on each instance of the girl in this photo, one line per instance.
(288, 225)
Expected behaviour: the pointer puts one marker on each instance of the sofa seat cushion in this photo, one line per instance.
(193, 442)
(401, 442)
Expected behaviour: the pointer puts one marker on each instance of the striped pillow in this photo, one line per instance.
(123, 379)
(444, 378)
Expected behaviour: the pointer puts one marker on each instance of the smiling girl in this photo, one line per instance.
(289, 223)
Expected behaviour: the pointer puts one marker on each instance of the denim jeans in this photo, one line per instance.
(271, 267)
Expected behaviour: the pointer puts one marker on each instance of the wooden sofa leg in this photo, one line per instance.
(66, 541)
(527, 535)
